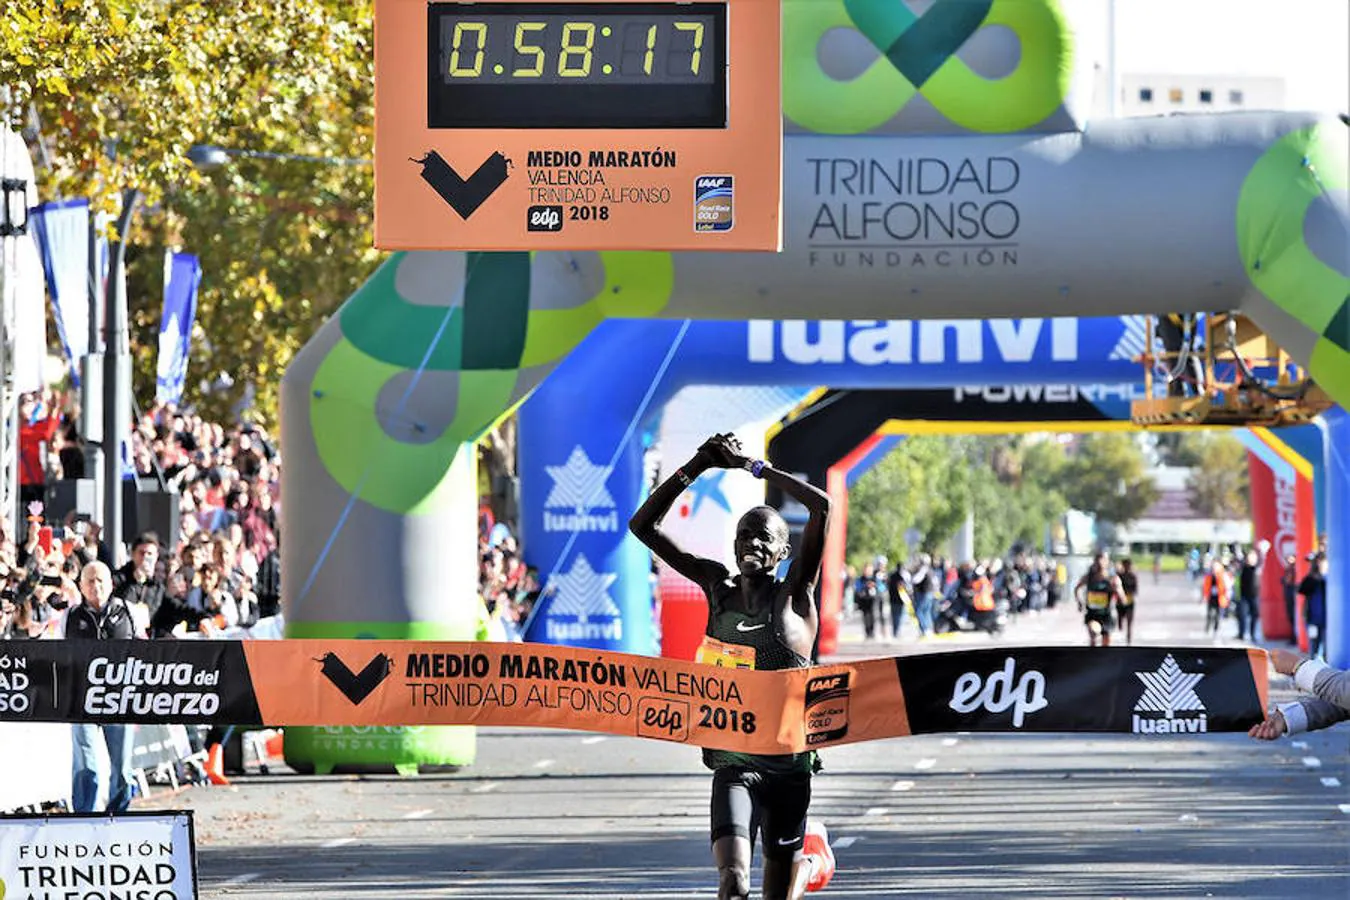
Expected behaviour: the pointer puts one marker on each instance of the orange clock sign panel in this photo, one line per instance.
(598, 125)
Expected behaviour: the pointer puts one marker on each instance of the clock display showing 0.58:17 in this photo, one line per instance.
(571, 48)
(577, 65)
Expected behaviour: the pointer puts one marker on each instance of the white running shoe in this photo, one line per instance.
(816, 847)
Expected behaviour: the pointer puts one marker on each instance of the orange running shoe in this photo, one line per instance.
(816, 847)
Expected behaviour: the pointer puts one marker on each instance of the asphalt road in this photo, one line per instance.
(551, 814)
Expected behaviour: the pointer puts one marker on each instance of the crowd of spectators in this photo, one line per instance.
(214, 567)
(221, 569)
(507, 588)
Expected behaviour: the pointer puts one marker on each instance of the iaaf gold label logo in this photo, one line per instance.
(14, 685)
(827, 708)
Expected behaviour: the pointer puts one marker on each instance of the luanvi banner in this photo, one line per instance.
(348, 682)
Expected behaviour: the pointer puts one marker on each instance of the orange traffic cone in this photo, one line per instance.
(215, 764)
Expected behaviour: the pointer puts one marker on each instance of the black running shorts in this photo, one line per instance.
(746, 801)
(1101, 616)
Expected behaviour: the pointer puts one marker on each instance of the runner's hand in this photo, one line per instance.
(1285, 662)
(1272, 728)
(723, 451)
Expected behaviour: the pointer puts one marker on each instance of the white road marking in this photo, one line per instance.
(338, 842)
(245, 878)
(1312, 762)
(1345, 808)
(1331, 782)
(876, 811)
(902, 786)
(926, 763)
(845, 842)
(1299, 745)
(484, 788)
(418, 814)
(950, 742)
(595, 739)
(543, 764)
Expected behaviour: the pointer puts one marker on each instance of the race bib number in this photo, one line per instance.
(713, 652)
(1098, 600)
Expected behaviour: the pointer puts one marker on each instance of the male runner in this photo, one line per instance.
(1101, 587)
(1129, 592)
(755, 621)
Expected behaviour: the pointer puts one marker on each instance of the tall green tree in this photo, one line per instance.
(930, 484)
(1106, 477)
(885, 503)
(116, 92)
(1219, 483)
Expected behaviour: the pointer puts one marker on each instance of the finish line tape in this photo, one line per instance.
(317, 682)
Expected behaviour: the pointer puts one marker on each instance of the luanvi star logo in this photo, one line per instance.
(1169, 704)
(356, 686)
(464, 195)
(1134, 341)
(583, 592)
(579, 484)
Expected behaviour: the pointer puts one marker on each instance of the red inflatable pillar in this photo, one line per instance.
(833, 561)
(1282, 514)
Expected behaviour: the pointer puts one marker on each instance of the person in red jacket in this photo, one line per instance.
(33, 433)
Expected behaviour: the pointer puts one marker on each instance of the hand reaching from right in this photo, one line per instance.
(1271, 729)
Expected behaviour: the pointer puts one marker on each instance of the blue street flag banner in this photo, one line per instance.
(62, 232)
(182, 275)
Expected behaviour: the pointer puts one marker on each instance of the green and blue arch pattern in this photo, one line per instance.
(490, 338)
(918, 56)
(1297, 171)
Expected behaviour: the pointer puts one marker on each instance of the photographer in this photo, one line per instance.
(218, 606)
(175, 606)
(24, 616)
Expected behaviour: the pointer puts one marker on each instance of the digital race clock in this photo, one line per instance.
(578, 125)
(576, 65)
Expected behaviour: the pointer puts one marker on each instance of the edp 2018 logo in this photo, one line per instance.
(544, 218)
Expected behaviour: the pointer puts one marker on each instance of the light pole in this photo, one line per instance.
(13, 224)
(116, 377)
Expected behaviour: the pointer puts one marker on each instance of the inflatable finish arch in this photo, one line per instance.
(935, 165)
(581, 468)
(814, 443)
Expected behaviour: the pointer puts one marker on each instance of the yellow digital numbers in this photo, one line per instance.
(567, 68)
(536, 42)
(651, 51)
(523, 30)
(479, 30)
(696, 28)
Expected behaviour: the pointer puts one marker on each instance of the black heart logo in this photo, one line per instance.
(464, 195)
(357, 687)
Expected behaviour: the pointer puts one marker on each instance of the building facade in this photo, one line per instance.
(1161, 94)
